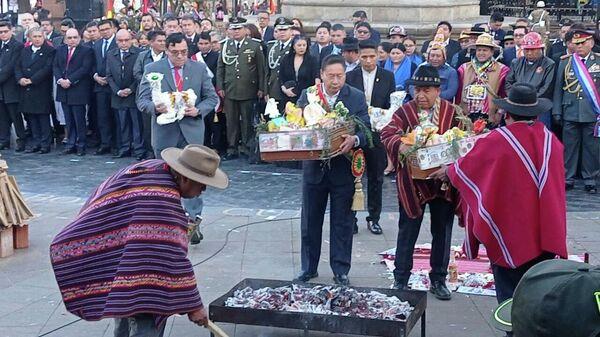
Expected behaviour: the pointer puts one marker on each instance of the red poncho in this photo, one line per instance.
(512, 186)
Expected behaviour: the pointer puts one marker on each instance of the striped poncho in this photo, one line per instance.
(126, 251)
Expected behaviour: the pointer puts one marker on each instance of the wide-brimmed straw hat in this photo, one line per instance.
(486, 40)
(522, 100)
(198, 163)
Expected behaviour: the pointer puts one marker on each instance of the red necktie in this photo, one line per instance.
(178, 78)
(69, 55)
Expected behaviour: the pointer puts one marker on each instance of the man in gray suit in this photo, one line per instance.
(179, 74)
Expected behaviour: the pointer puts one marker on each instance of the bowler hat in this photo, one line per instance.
(198, 163)
(522, 100)
(425, 76)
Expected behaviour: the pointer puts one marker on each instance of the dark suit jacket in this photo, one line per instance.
(53, 35)
(99, 67)
(193, 45)
(57, 41)
(9, 55)
(384, 86)
(558, 47)
(119, 75)
(508, 55)
(314, 51)
(339, 170)
(268, 35)
(308, 72)
(212, 60)
(144, 58)
(452, 48)
(36, 98)
(78, 72)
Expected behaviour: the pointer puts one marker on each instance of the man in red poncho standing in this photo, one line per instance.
(512, 188)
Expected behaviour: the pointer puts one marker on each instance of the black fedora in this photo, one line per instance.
(522, 100)
(425, 76)
(350, 44)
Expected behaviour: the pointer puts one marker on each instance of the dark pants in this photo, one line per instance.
(314, 203)
(506, 279)
(76, 128)
(442, 217)
(147, 132)
(376, 161)
(108, 122)
(579, 138)
(41, 136)
(141, 325)
(213, 132)
(130, 122)
(240, 126)
(92, 120)
(10, 115)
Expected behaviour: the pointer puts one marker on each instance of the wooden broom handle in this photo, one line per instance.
(215, 329)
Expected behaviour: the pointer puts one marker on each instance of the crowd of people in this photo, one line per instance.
(104, 83)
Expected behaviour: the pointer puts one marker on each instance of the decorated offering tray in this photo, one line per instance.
(310, 144)
(318, 307)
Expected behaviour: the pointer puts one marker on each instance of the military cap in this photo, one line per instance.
(236, 22)
(283, 23)
(580, 36)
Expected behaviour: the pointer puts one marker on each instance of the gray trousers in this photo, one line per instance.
(142, 325)
(579, 138)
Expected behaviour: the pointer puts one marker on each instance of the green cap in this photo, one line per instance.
(554, 298)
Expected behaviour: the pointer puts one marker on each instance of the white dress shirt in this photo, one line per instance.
(368, 83)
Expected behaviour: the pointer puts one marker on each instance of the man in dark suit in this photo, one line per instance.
(107, 118)
(72, 67)
(48, 29)
(10, 51)
(509, 54)
(65, 24)
(495, 24)
(266, 31)
(559, 47)
(361, 16)
(33, 72)
(119, 74)
(334, 180)
(377, 84)
(156, 52)
(452, 46)
(188, 27)
(322, 41)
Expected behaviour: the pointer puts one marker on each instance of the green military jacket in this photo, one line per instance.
(241, 73)
(570, 101)
(274, 56)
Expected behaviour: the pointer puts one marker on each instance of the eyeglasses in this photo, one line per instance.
(179, 52)
(362, 32)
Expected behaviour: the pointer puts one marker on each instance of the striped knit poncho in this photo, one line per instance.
(126, 252)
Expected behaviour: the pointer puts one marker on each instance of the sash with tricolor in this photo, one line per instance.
(589, 87)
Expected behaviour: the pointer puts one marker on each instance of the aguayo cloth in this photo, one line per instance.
(126, 252)
(413, 193)
(512, 186)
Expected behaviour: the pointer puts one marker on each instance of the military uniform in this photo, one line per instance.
(574, 108)
(241, 74)
(276, 50)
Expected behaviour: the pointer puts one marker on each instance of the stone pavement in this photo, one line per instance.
(56, 186)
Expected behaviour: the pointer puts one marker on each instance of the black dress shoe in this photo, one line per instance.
(122, 155)
(44, 150)
(355, 226)
(440, 291)
(569, 186)
(305, 276)
(33, 149)
(341, 280)
(400, 285)
(4, 146)
(81, 153)
(374, 227)
(69, 151)
(20, 148)
(140, 157)
(591, 189)
(101, 151)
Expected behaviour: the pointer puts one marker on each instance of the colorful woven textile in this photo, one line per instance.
(126, 251)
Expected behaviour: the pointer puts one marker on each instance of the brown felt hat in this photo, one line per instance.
(198, 163)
